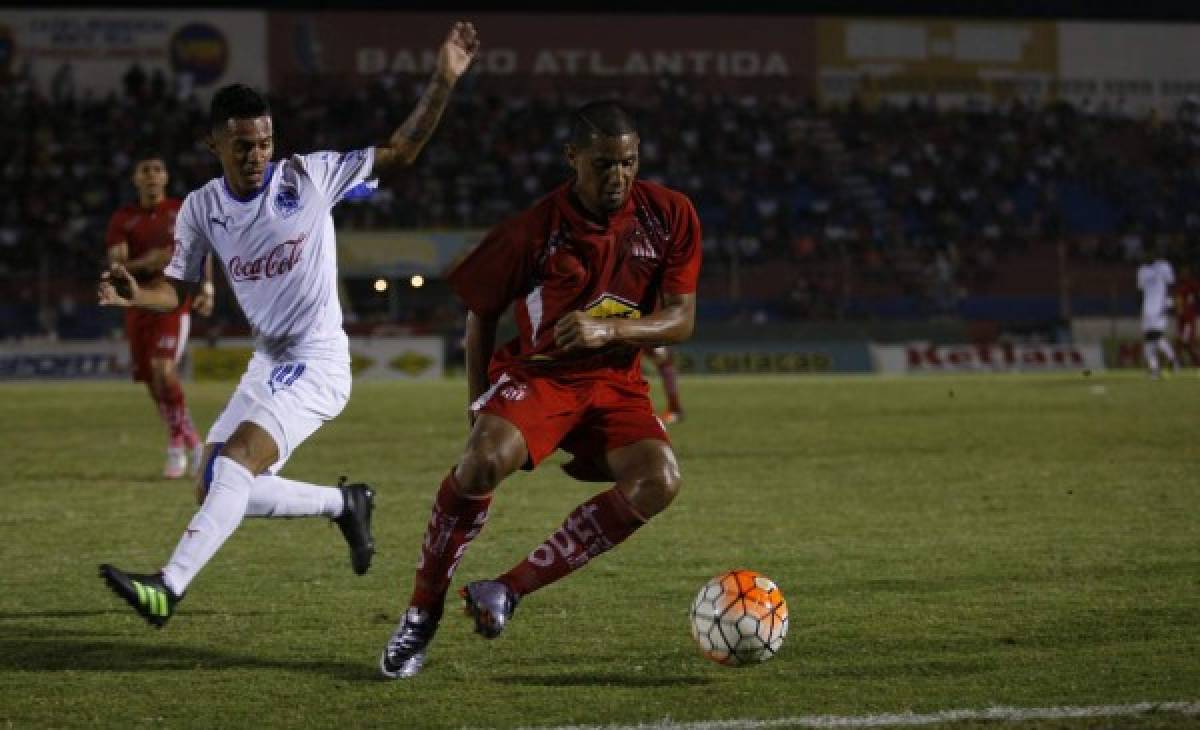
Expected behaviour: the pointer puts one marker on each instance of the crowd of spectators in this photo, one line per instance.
(909, 198)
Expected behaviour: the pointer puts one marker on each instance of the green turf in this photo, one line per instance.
(943, 543)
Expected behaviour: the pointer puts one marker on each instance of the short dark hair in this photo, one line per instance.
(148, 152)
(236, 101)
(606, 118)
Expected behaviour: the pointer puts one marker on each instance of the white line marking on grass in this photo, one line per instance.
(1010, 714)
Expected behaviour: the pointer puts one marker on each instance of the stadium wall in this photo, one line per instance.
(1129, 67)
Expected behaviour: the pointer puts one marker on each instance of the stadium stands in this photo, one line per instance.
(809, 213)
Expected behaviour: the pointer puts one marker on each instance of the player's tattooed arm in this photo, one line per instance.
(670, 324)
(454, 58)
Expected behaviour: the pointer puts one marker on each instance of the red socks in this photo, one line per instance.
(453, 524)
(173, 409)
(593, 528)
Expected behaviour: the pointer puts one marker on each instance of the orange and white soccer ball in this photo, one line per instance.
(739, 618)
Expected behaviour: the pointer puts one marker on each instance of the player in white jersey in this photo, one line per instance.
(1155, 278)
(269, 226)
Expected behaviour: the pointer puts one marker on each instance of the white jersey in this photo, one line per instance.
(1154, 279)
(278, 250)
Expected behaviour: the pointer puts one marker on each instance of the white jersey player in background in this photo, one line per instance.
(1155, 278)
(269, 226)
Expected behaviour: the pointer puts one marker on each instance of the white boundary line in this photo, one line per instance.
(908, 718)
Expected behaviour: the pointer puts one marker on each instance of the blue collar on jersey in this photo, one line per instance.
(266, 181)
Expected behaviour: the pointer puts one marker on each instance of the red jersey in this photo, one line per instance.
(1188, 292)
(553, 259)
(144, 229)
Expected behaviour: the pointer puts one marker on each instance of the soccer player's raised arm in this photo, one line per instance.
(454, 57)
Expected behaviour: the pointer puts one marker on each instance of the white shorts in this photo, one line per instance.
(289, 400)
(1154, 322)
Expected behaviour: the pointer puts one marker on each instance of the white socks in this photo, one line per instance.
(272, 496)
(1150, 352)
(212, 525)
(235, 494)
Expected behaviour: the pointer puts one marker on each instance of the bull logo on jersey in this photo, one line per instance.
(279, 261)
(609, 306)
(287, 201)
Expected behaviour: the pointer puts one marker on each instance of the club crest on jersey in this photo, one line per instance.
(610, 305)
(639, 245)
(514, 391)
(287, 201)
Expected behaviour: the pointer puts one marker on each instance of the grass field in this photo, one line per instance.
(944, 543)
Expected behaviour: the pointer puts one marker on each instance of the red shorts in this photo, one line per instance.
(585, 415)
(155, 336)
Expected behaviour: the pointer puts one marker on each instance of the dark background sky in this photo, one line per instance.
(1149, 10)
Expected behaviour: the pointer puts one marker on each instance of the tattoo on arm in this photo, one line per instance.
(418, 128)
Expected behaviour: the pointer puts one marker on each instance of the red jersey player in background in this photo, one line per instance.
(141, 238)
(664, 361)
(1187, 301)
(595, 271)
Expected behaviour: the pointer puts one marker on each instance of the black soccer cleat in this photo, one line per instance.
(147, 594)
(405, 652)
(355, 523)
(491, 604)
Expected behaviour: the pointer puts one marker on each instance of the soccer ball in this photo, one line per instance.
(739, 618)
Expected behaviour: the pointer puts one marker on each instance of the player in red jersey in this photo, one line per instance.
(141, 238)
(1187, 302)
(664, 361)
(600, 268)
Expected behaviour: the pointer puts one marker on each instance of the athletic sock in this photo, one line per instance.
(179, 423)
(454, 522)
(212, 525)
(272, 496)
(1150, 352)
(174, 437)
(595, 527)
(1165, 345)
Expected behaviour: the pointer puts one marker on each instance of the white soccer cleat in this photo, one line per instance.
(177, 463)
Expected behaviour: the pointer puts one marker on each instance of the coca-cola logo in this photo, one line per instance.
(279, 261)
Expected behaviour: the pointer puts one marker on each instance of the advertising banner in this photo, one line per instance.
(372, 358)
(93, 50)
(952, 60)
(1129, 66)
(739, 358)
(401, 253)
(547, 50)
(102, 359)
(920, 357)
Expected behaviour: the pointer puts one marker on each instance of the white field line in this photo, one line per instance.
(1010, 714)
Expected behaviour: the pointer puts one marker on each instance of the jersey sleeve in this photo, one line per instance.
(191, 245)
(682, 265)
(337, 173)
(495, 272)
(116, 234)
